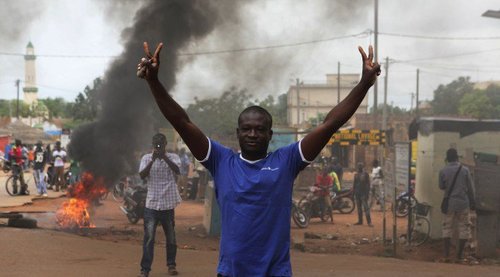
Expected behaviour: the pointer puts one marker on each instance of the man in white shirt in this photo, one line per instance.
(59, 158)
(377, 190)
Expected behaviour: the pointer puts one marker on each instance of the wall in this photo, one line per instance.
(431, 159)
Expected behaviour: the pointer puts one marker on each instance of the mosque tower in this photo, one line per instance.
(30, 89)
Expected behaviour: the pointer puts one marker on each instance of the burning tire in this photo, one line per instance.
(29, 223)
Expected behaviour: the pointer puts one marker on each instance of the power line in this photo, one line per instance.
(210, 52)
(362, 34)
(447, 56)
(439, 37)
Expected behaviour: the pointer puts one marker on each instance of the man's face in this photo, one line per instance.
(254, 133)
(159, 145)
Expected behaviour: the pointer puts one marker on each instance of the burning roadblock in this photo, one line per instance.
(84, 195)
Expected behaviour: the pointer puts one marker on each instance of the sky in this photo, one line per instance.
(77, 40)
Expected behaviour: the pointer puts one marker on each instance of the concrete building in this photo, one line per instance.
(30, 90)
(435, 136)
(309, 101)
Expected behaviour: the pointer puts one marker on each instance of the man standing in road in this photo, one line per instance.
(159, 168)
(457, 184)
(40, 159)
(59, 158)
(377, 189)
(17, 160)
(361, 188)
(254, 187)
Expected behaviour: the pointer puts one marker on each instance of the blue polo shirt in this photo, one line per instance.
(255, 201)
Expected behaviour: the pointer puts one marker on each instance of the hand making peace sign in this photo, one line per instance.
(370, 69)
(148, 67)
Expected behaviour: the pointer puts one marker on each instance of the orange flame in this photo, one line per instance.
(74, 213)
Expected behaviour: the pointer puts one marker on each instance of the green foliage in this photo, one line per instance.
(218, 116)
(391, 110)
(276, 109)
(87, 104)
(57, 107)
(447, 97)
(481, 104)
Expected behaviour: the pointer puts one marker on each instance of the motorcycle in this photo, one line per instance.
(134, 202)
(405, 200)
(343, 201)
(299, 217)
(312, 204)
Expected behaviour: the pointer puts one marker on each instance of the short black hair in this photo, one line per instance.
(451, 155)
(159, 137)
(257, 109)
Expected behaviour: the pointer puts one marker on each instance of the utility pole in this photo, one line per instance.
(417, 92)
(375, 87)
(17, 108)
(338, 83)
(384, 111)
(298, 102)
(411, 105)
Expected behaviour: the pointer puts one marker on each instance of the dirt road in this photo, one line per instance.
(114, 248)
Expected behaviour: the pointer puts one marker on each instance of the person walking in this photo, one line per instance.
(361, 190)
(456, 182)
(160, 168)
(254, 187)
(40, 160)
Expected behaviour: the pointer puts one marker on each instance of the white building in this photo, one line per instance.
(316, 99)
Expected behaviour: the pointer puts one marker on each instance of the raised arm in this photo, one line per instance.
(312, 144)
(173, 112)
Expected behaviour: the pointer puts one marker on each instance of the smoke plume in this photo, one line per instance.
(109, 146)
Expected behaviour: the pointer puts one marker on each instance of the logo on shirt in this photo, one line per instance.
(269, 168)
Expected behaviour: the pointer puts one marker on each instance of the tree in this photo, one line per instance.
(481, 104)
(87, 104)
(218, 116)
(447, 97)
(395, 110)
(276, 109)
(56, 107)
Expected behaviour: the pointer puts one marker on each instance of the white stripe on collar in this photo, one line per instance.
(251, 162)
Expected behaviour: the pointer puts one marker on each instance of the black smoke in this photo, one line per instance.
(109, 146)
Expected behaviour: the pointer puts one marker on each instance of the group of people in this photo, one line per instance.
(17, 155)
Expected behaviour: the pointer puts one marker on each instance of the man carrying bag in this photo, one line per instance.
(458, 201)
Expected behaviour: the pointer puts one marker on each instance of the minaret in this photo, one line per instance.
(30, 89)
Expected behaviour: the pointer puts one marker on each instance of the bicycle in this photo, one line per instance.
(420, 227)
(11, 184)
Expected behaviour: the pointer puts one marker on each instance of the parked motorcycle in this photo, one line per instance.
(134, 202)
(299, 217)
(343, 201)
(404, 200)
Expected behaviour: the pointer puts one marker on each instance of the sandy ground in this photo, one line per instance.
(114, 248)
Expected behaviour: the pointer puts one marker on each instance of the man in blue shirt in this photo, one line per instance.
(254, 188)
